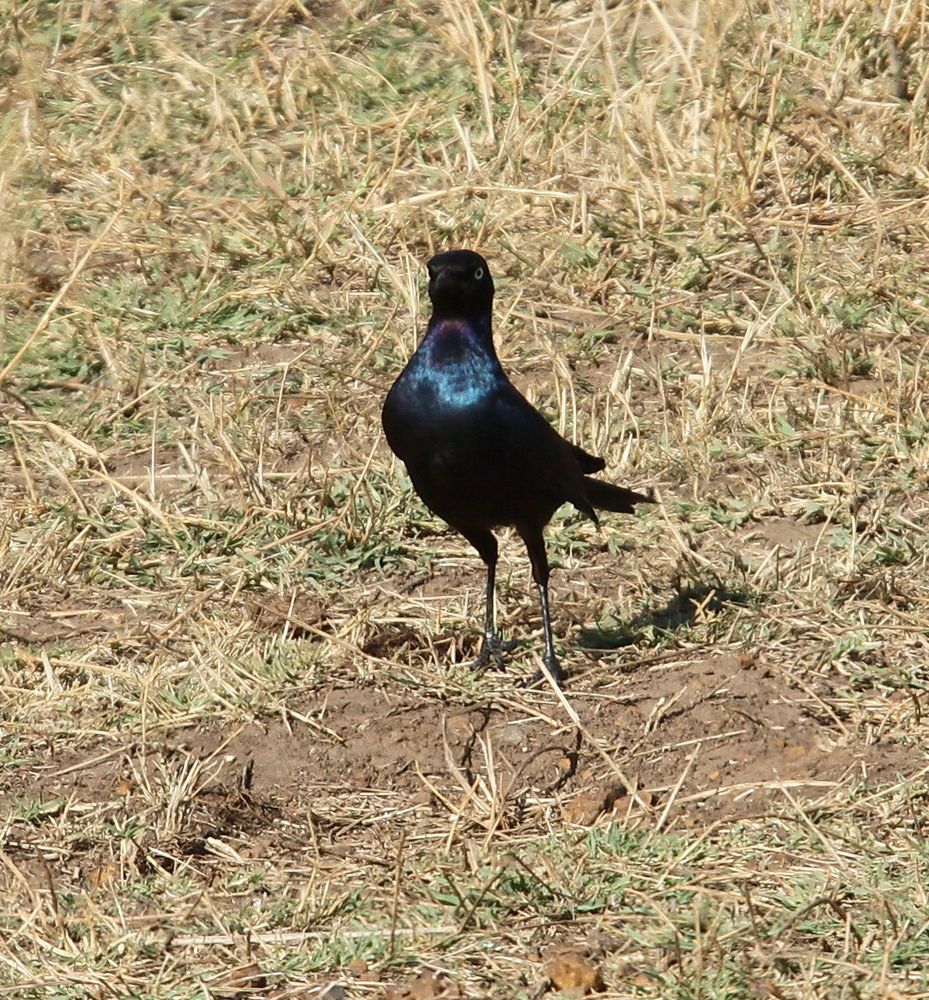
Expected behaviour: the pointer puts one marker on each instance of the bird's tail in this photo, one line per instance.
(606, 496)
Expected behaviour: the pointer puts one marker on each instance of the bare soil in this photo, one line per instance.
(702, 741)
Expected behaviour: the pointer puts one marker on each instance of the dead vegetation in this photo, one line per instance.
(241, 753)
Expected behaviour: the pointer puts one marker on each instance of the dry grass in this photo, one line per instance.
(237, 729)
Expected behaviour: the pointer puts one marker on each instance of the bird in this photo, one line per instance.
(479, 454)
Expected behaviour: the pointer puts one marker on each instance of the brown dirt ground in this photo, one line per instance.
(665, 738)
(710, 739)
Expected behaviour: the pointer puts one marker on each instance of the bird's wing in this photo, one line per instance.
(588, 462)
(544, 459)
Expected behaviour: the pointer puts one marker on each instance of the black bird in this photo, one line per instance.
(479, 454)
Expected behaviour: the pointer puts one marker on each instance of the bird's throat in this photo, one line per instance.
(453, 340)
(458, 362)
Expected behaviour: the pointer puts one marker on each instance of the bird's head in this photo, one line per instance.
(460, 283)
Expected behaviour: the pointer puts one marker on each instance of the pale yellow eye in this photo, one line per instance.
(478, 274)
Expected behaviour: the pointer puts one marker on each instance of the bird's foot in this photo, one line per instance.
(492, 651)
(552, 668)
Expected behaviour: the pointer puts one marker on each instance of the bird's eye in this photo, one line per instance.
(478, 274)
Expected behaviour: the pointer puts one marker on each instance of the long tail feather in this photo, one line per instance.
(606, 496)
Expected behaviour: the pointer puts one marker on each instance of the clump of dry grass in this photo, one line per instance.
(237, 728)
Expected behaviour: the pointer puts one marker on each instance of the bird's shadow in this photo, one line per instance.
(692, 603)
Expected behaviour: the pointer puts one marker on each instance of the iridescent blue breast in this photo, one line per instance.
(454, 367)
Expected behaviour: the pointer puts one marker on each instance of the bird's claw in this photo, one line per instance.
(552, 668)
(492, 650)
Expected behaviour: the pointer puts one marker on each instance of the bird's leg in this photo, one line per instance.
(535, 546)
(549, 659)
(493, 647)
